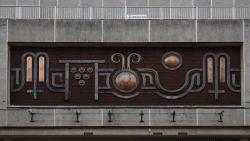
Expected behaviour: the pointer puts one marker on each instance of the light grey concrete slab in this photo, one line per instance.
(181, 3)
(7, 2)
(164, 117)
(139, 3)
(231, 117)
(78, 31)
(21, 117)
(87, 117)
(126, 117)
(159, 3)
(242, 3)
(200, 3)
(48, 3)
(31, 30)
(246, 64)
(3, 116)
(69, 3)
(222, 3)
(172, 31)
(247, 117)
(219, 31)
(114, 3)
(28, 2)
(125, 31)
(3, 64)
(91, 3)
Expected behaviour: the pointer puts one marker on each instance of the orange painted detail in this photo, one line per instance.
(29, 69)
(172, 61)
(125, 81)
(41, 69)
(210, 70)
(222, 70)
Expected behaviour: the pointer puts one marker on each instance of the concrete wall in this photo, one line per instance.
(125, 31)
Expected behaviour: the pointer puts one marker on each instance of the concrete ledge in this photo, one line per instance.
(31, 30)
(78, 31)
(219, 31)
(172, 31)
(125, 31)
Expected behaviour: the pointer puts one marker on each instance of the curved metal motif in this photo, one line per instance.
(135, 62)
(122, 57)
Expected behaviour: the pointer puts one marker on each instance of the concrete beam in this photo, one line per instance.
(78, 31)
(172, 31)
(219, 31)
(31, 31)
(125, 31)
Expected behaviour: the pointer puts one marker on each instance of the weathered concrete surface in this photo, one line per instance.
(114, 3)
(48, 2)
(125, 31)
(242, 3)
(31, 31)
(91, 3)
(219, 31)
(21, 117)
(164, 117)
(67, 3)
(28, 2)
(200, 3)
(181, 3)
(68, 117)
(126, 117)
(3, 118)
(246, 64)
(3, 64)
(231, 117)
(222, 3)
(7, 2)
(172, 31)
(78, 31)
(139, 3)
(159, 3)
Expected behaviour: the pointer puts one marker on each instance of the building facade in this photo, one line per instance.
(127, 70)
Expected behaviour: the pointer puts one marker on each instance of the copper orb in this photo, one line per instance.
(125, 81)
(172, 61)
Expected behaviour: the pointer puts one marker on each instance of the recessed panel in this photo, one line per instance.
(125, 76)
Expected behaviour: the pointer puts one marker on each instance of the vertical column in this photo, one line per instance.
(41, 69)
(210, 70)
(29, 69)
(222, 70)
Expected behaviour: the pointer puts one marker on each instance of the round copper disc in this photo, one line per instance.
(125, 81)
(172, 61)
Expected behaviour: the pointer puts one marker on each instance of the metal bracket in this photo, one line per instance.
(77, 116)
(109, 114)
(173, 114)
(141, 114)
(31, 116)
(221, 114)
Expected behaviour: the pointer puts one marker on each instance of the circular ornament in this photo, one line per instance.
(81, 69)
(81, 82)
(73, 69)
(126, 80)
(172, 60)
(77, 76)
(86, 76)
(89, 69)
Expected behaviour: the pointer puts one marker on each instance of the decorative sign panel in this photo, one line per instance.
(131, 76)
